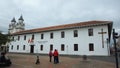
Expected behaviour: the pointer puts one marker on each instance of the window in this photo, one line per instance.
(23, 47)
(90, 32)
(41, 47)
(24, 37)
(75, 47)
(12, 38)
(51, 47)
(12, 47)
(18, 38)
(51, 35)
(62, 34)
(91, 47)
(33, 37)
(17, 47)
(62, 47)
(42, 36)
(75, 33)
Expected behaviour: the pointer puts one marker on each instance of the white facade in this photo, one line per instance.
(83, 41)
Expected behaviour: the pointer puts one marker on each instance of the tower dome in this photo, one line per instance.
(21, 18)
(13, 20)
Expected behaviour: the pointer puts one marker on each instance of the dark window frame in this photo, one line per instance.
(24, 47)
(18, 38)
(75, 47)
(90, 32)
(33, 37)
(75, 33)
(42, 36)
(51, 46)
(62, 34)
(12, 47)
(91, 47)
(62, 47)
(17, 47)
(24, 37)
(41, 47)
(51, 35)
(13, 38)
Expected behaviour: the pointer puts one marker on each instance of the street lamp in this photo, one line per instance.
(115, 36)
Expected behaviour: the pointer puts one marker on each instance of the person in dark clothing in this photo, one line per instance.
(50, 55)
(37, 60)
(3, 59)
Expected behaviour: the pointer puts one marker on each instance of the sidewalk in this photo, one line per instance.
(28, 61)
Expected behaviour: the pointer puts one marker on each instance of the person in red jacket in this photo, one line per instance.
(56, 56)
(50, 55)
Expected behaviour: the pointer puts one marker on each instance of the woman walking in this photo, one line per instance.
(50, 55)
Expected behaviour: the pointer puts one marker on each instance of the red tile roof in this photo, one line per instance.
(65, 26)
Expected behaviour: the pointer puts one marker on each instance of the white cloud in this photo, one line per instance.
(42, 13)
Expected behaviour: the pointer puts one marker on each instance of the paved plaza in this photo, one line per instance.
(28, 61)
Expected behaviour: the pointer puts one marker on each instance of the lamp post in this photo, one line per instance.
(116, 54)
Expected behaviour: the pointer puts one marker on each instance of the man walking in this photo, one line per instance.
(56, 60)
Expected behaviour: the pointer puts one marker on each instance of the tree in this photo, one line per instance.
(4, 38)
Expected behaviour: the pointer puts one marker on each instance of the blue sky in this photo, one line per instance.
(43, 13)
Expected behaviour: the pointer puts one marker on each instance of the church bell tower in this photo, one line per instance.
(16, 26)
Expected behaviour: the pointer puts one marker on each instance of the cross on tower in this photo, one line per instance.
(102, 33)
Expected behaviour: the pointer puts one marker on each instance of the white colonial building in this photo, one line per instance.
(83, 38)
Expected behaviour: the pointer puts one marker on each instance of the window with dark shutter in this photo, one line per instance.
(75, 33)
(51, 35)
(41, 47)
(90, 32)
(91, 47)
(51, 47)
(75, 47)
(62, 34)
(62, 47)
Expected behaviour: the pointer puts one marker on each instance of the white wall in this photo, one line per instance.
(82, 40)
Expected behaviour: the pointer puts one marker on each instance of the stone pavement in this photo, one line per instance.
(28, 61)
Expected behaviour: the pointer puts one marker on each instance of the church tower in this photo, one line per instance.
(12, 26)
(16, 26)
(20, 25)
